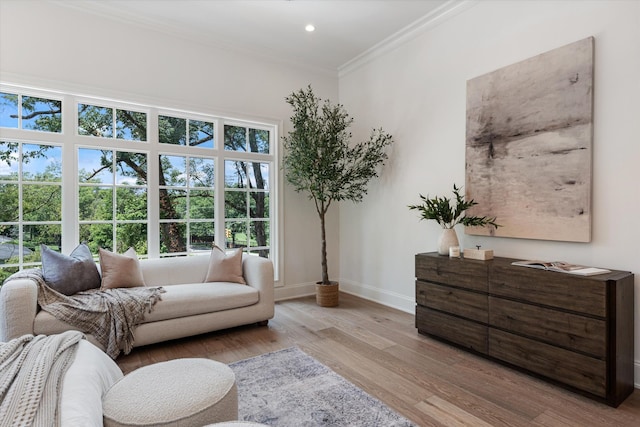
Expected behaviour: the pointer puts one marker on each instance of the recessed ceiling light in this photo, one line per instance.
(310, 28)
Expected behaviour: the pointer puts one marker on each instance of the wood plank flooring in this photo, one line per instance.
(378, 349)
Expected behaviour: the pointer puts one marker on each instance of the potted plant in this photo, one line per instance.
(448, 213)
(319, 160)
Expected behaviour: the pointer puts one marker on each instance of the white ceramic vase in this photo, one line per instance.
(448, 238)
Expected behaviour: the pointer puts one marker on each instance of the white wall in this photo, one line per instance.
(53, 47)
(417, 93)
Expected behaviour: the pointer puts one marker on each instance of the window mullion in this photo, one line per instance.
(219, 193)
(19, 111)
(114, 200)
(153, 182)
(247, 197)
(20, 207)
(70, 226)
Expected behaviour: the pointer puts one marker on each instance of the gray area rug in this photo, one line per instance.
(291, 388)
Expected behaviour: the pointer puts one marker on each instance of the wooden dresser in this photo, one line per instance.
(571, 330)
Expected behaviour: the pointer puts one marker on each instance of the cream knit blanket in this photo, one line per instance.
(109, 315)
(31, 373)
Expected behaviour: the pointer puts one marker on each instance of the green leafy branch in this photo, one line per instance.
(448, 212)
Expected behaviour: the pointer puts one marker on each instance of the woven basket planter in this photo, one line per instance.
(327, 295)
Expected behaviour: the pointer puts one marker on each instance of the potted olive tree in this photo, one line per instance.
(448, 213)
(319, 160)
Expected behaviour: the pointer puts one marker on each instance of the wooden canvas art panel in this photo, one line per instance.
(529, 144)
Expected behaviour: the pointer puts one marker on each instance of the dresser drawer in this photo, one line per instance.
(470, 274)
(579, 371)
(465, 333)
(572, 293)
(571, 331)
(470, 305)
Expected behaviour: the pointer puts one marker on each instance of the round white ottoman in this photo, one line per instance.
(181, 392)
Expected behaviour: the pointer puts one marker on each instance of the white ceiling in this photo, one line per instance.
(345, 29)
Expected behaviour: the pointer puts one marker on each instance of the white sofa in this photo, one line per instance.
(189, 307)
(86, 382)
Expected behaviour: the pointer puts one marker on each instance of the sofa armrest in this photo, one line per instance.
(258, 273)
(18, 308)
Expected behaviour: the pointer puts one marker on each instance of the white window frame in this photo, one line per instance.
(71, 142)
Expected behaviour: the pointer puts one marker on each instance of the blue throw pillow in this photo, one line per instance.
(69, 274)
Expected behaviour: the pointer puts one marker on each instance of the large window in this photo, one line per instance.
(118, 175)
(30, 202)
(112, 199)
(186, 183)
(247, 190)
(186, 204)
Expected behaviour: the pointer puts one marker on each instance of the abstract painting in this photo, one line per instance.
(529, 144)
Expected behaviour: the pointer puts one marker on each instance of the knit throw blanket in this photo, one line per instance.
(31, 373)
(110, 315)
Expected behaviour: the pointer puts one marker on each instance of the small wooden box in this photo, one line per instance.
(480, 254)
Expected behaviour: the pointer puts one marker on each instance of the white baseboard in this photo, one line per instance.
(388, 298)
(295, 291)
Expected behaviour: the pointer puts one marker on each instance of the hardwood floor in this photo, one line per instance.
(378, 349)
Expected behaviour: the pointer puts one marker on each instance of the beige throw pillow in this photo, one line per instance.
(120, 271)
(225, 268)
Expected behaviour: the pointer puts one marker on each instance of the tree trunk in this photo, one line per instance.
(325, 270)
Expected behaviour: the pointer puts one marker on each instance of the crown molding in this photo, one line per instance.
(422, 25)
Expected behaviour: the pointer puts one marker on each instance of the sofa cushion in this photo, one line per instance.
(225, 267)
(198, 298)
(175, 270)
(69, 274)
(178, 301)
(120, 271)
